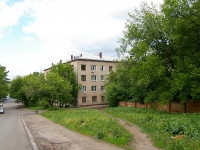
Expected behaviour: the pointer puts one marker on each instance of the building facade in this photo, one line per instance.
(91, 74)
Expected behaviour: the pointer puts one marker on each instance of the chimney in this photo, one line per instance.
(100, 55)
(80, 55)
(61, 61)
(71, 57)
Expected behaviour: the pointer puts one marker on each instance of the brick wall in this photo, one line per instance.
(175, 107)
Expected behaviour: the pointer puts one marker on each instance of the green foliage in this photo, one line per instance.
(66, 72)
(163, 43)
(167, 131)
(91, 122)
(118, 85)
(113, 95)
(54, 88)
(59, 86)
(31, 87)
(17, 90)
(4, 90)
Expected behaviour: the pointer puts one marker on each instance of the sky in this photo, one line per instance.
(36, 33)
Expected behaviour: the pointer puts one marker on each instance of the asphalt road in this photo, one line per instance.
(13, 135)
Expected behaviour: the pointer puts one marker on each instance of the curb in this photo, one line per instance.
(34, 145)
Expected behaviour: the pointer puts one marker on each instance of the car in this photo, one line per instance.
(16, 100)
(2, 110)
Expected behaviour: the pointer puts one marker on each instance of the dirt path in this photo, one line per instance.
(141, 140)
(51, 136)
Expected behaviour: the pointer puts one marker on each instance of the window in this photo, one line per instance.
(83, 88)
(102, 68)
(94, 78)
(83, 99)
(110, 68)
(94, 98)
(83, 67)
(102, 78)
(83, 77)
(102, 98)
(102, 88)
(93, 67)
(94, 88)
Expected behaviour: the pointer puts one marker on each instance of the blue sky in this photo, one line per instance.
(36, 33)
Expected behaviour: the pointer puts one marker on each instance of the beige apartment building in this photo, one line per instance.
(91, 74)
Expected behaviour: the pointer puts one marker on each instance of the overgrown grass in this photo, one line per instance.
(168, 131)
(91, 122)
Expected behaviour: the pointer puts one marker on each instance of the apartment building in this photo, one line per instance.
(91, 74)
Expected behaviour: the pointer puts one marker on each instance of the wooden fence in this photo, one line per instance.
(176, 107)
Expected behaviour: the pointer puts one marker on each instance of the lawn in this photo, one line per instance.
(168, 131)
(93, 123)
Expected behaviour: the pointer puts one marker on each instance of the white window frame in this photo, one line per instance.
(84, 88)
(103, 78)
(102, 68)
(93, 77)
(93, 67)
(93, 88)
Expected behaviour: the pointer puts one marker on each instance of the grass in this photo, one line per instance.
(33, 106)
(168, 131)
(91, 122)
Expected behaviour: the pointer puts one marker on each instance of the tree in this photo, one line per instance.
(32, 83)
(66, 72)
(4, 81)
(54, 88)
(113, 91)
(17, 89)
(164, 45)
(118, 84)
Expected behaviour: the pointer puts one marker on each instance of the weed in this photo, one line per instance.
(168, 131)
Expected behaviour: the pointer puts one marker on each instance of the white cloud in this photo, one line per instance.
(63, 28)
(9, 15)
(28, 39)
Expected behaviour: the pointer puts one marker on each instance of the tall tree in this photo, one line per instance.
(119, 83)
(164, 44)
(55, 88)
(4, 81)
(66, 72)
(32, 83)
(17, 89)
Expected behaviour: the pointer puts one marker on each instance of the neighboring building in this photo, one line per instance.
(91, 74)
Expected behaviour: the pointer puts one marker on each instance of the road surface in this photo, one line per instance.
(13, 135)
